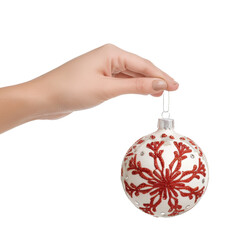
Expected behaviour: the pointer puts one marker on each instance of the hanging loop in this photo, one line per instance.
(166, 102)
(165, 114)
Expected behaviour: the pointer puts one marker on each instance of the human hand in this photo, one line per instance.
(81, 83)
(97, 76)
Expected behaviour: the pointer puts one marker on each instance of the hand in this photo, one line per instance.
(99, 75)
(81, 83)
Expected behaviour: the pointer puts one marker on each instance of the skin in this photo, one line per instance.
(81, 83)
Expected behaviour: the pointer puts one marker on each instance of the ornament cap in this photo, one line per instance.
(165, 123)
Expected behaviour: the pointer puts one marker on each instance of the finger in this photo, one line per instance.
(119, 86)
(143, 66)
(126, 74)
(121, 75)
(133, 74)
(157, 94)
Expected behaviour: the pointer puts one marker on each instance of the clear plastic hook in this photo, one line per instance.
(165, 115)
(166, 102)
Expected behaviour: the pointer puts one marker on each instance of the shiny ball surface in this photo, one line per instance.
(164, 173)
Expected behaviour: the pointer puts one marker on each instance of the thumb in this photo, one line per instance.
(140, 85)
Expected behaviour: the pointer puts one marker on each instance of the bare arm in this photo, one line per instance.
(19, 104)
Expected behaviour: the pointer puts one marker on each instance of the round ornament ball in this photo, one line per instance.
(164, 173)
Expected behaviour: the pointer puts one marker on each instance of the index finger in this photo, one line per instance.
(135, 63)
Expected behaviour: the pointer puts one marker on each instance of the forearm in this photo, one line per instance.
(40, 98)
(20, 104)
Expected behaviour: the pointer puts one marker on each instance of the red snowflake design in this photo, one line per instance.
(165, 183)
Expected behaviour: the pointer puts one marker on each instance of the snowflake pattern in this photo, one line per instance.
(163, 182)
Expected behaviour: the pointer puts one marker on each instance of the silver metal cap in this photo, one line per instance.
(165, 123)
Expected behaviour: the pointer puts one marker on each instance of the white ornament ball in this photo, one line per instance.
(164, 173)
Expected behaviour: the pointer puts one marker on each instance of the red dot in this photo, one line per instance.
(152, 137)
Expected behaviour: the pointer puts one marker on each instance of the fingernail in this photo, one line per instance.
(159, 85)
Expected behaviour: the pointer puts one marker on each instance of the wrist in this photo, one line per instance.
(45, 98)
(35, 99)
(28, 100)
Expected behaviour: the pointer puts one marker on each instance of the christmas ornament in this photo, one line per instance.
(164, 173)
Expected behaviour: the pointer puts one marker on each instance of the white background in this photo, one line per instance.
(61, 179)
